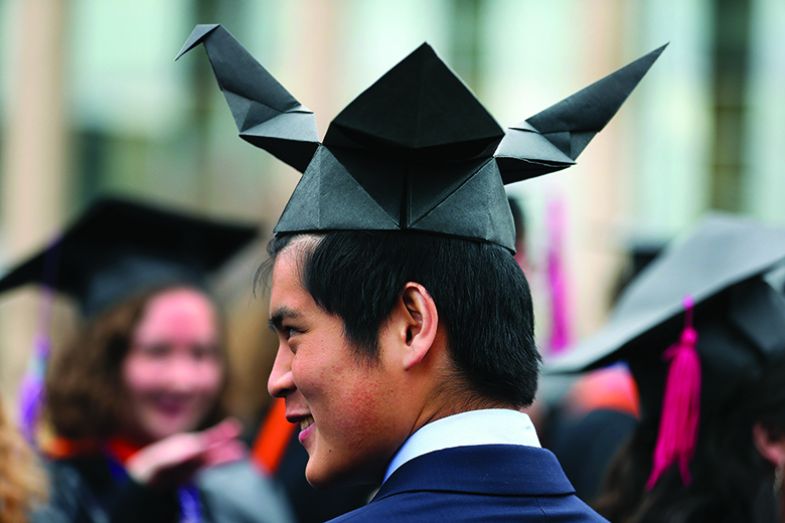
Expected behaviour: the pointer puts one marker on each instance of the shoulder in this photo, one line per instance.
(67, 490)
(72, 492)
(428, 506)
(485, 482)
(239, 491)
(77, 474)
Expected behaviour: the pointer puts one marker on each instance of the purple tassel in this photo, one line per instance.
(31, 394)
(32, 391)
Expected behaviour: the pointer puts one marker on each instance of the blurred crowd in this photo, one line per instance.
(142, 382)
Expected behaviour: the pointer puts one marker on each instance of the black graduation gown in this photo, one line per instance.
(84, 490)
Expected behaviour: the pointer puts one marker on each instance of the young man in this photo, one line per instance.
(405, 325)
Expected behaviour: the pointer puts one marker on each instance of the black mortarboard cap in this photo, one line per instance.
(119, 247)
(416, 150)
(738, 316)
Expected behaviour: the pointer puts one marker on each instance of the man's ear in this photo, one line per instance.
(420, 320)
(771, 448)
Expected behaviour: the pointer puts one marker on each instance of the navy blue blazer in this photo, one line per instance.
(477, 483)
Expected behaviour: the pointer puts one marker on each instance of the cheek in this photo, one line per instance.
(209, 378)
(343, 397)
(346, 396)
(319, 380)
(140, 375)
(321, 366)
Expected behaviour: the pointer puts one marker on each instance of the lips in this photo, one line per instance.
(173, 408)
(306, 432)
(306, 424)
(162, 416)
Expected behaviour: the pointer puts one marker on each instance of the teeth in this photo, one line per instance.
(306, 422)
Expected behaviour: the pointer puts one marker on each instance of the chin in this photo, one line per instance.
(323, 476)
(158, 434)
(317, 478)
(162, 430)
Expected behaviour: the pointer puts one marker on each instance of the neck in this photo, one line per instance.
(450, 402)
(444, 392)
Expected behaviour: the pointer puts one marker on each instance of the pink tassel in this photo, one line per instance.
(559, 338)
(680, 407)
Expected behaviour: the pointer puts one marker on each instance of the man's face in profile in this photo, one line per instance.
(344, 403)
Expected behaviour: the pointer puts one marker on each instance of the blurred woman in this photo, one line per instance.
(736, 468)
(136, 398)
(136, 401)
(703, 332)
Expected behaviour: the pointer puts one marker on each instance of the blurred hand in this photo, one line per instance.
(174, 460)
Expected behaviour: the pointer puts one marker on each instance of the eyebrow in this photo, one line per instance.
(276, 319)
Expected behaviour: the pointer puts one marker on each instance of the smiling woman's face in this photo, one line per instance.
(174, 369)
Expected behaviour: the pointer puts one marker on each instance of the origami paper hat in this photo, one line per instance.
(120, 247)
(415, 151)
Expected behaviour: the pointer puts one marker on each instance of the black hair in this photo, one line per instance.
(480, 292)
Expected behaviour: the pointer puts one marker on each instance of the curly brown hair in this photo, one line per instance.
(22, 482)
(85, 395)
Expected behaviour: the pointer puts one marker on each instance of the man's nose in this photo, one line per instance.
(281, 381)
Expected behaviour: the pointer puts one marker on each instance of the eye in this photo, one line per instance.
(290, 331)
(203, 352)
(289, 336)
(155, 350)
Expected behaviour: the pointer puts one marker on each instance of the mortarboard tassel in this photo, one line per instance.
(32, 388)
(31, 395)
(681, 405)
(559, 338)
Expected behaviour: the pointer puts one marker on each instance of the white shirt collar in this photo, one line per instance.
(476, 427)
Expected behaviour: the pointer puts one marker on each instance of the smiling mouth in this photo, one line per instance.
(172, 408)
(305, 423)
(307, 426)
